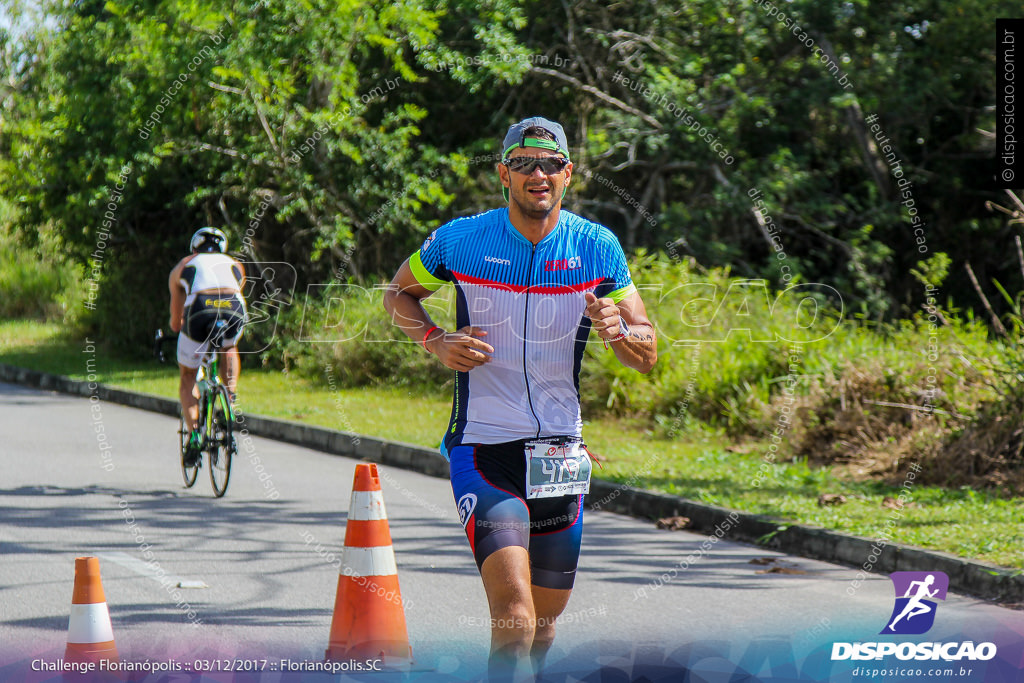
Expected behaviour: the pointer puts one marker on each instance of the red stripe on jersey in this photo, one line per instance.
(519, 289)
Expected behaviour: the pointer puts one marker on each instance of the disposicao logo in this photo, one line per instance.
(914, 611)
(914, 614)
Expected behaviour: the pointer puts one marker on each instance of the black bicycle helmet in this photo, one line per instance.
(209, 239)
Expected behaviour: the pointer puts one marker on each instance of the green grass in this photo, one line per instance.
(36, 282)
(963, 521)
(702, 465)
(380, 412)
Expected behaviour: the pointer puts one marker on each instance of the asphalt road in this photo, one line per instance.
(260, 588)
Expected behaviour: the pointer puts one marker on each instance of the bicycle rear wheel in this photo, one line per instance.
(222, 442)
(189, 474)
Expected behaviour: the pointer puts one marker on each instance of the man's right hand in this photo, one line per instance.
(461, 350)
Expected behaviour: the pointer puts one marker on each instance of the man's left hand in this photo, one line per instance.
(604, 315)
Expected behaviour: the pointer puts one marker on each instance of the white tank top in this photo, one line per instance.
(209, 271)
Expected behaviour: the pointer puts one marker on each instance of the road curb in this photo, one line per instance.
(970, 577)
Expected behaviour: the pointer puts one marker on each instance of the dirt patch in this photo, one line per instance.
(988, 451)
(870, 424)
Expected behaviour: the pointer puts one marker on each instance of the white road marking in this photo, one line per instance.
(151, 571)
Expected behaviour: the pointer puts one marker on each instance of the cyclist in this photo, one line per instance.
(532, 280)
(206, 286)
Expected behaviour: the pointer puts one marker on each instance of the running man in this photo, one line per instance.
(531, 281)
(914, 606)
(206, 286)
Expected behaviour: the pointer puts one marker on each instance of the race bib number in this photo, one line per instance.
(556, 468)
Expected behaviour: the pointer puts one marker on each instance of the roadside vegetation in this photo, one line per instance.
(835, 289)
(853, 404)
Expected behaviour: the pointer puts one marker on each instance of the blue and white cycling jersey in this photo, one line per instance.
(530, 300)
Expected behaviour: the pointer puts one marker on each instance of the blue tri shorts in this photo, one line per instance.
(489, 484)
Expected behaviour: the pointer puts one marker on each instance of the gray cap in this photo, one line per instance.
(516, 136)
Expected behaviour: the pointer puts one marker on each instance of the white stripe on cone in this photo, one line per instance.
(366, 505)
(378, 561)
(90, 624)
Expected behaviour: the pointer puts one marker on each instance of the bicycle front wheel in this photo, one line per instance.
(222, 442)
(189, 474)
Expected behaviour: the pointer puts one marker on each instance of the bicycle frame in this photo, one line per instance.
(210, 367)
(216, 417)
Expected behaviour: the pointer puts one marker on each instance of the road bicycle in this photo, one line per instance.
(216, 418)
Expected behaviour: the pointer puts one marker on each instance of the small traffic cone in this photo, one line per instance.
(369, 619)
(90, 636)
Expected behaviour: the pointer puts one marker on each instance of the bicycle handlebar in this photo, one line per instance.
(158, 345)
(159, 339)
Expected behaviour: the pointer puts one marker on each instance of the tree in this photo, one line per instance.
(293, 124)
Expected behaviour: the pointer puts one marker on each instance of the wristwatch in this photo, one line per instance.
(623, 332)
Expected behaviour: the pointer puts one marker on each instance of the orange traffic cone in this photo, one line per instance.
(369, 619)
(90, 637)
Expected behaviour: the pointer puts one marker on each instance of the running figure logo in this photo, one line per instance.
(913, 612)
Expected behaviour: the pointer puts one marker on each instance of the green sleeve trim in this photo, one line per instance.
(422, 275)
(619, 294)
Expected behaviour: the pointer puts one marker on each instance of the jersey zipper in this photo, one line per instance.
(526, 324)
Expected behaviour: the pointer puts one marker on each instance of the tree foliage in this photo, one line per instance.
(335, 135)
